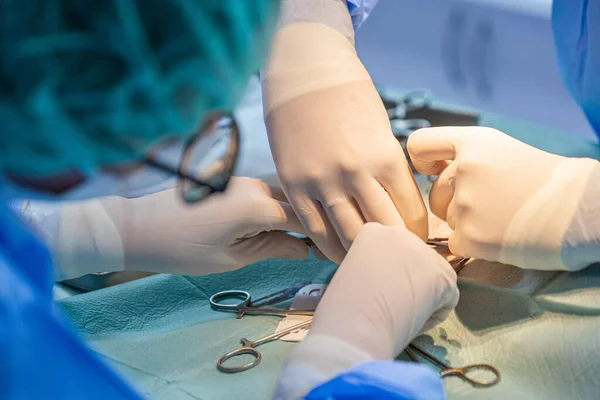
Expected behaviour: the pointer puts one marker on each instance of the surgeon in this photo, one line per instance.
(346, 167)
(92, 95)
(505, 201)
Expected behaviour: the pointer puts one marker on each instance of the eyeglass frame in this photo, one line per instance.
(231, 159)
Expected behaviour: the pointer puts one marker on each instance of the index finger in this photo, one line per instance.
(429, 148)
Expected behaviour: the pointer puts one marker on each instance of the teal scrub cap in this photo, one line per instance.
(78, 77)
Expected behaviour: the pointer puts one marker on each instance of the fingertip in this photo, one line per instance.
(429, 148)
(454, 245)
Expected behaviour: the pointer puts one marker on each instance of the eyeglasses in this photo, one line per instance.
(206, 161)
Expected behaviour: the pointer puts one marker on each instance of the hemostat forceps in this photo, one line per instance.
(249, 347)
(257, 307)
(461, 372)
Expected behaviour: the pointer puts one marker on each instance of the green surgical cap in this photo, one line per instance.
(80, 78)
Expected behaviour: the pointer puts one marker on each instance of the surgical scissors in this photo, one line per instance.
(249, 347)
(257, 307)
(461, 372)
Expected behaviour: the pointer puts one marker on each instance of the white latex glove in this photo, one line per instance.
(389, 288)
(508, 201)
(159, 233)
(337, 159)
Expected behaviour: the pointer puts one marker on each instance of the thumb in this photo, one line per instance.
(274, 244)
(429, 148)
(277, 216)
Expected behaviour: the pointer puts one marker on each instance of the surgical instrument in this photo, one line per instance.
(278, 296)
(458, 263)
(438, 241)
(247, 306)
(402, 125)
(249, 347)
(461, 372)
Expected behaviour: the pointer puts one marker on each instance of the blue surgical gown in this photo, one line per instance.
(576, 26)
(40, 357)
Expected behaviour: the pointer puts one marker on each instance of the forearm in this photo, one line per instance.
(80, 235)
(311, 52)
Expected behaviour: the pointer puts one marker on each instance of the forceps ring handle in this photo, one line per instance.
(228, 294)
(247, 348)
(463, 373)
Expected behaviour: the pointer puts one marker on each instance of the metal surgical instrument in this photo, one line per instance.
(249, 347)
(402, 126)
(461, 372)
(257, 307)
(458, 263)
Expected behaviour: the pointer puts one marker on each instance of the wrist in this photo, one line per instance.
(581, 242)
(314, 361)
(307, 57)
(87, 242)
(536, 235)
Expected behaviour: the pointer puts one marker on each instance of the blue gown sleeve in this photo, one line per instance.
(360, 10)
(41, 358)
(393, 380)
(576, 28)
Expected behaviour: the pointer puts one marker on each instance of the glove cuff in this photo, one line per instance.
(87, 241)
(542, 222)
(314, 361)
(331, 13)
(307, 57)
(581, 244)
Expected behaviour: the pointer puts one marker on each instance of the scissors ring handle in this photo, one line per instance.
(245, 349)
(464, 372)
(217, 298)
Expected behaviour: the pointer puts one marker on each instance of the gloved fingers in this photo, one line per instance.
(467, 239)
(442, 192)
(274, 192)
(458, 245)
(448, 297)
(402, 188)
(274, 244)
(438, 317)
(346, 218)
(429, 148)
(287, 219)
(317, 227)
(376, 205)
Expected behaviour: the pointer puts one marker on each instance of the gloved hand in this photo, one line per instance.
(509, 202)
(389, 288)
(158, 233)
(337, 159)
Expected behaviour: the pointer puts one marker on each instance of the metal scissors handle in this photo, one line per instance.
(245, 306)
(249, 347)
(461, 372)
